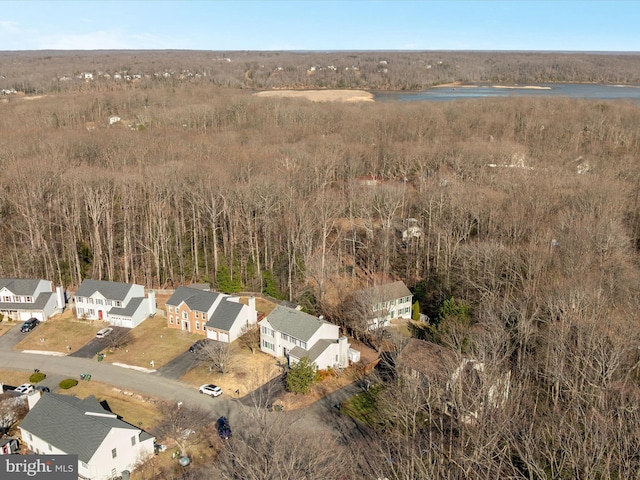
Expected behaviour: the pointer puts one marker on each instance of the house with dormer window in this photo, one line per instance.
(215, 315)
(65, 425)
(24, 298)
(120, 304)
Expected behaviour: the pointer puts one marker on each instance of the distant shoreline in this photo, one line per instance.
(515, 87)
(346, 96)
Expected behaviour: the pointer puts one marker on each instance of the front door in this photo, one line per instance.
(186, 325)
(100, 314)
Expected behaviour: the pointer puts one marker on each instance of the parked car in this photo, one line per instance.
(42, 388)
(103, 332)
(199, 345)
(25, 388)
(211, 389)
(30, 325)
(224, 429)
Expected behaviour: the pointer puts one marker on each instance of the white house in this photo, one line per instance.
(293, 334)
(216, 315)
(22, 299)
(120, 304)
(385, 302)
(65, 425)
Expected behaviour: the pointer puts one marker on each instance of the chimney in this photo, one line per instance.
(60, 302)
(252, 308)
(152, 303)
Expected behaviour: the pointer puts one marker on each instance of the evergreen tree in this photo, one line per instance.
(302, 376)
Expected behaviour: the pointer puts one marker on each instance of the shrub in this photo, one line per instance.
(37, 377)
(302, 376)
(68, 383)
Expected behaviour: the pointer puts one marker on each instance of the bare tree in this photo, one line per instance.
(250, 338)
(182, 424)
(216, 355)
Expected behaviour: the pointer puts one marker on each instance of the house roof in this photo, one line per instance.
(73, 425)
(386, 292)
(129, 310)
(196, 299)
(225, 315)
(39, 303)
(20, 286)
(428, 358)
(295, 322)
(110, 290)
(314, 352)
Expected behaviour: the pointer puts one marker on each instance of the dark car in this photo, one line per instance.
(199, 345)
(224, 430)
(30, 325)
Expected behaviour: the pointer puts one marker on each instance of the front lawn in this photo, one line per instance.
(363, 406)
(152, 340)
(59, 332)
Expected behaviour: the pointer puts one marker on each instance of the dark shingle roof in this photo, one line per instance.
(198, 300)
(110, 290)
(62, 421)
(294, 322)
(40, 302)
(224, 315)
(431, 360)
(19, 286)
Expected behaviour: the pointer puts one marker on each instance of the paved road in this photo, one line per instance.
(321, 416)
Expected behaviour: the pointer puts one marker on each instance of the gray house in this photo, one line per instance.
(293, 334)
(120, 304)
(383, 303)
(106, 446)
(25, 298)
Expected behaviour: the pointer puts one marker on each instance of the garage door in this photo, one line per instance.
(27, 315)
(223, 337)
(212, 335)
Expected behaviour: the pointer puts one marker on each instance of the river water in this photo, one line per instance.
(571, 90)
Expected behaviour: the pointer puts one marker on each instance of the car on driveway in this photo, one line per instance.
(30, 325)
(103, 332)
(210, 389)
(199, 345)
(224, 429)
(25, 388)
(43, 389)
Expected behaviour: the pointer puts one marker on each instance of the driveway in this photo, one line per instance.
(180, 365)
(97, 345)
(13, 336)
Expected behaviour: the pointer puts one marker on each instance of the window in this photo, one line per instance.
(90, 300)
(107, 303)
(84, 465)
(6, 298)
(185, 315)
(268, 345)
(170, 308)
(118, 303)
(197, 325)
(114, 454)
(99, 301)
(30, 436)
(133, 440)
(92, 312)
(283, 336)
(29, 299)
(303, 345)
(80, 311)
(171, 319)
(197, 314)
(49, 447)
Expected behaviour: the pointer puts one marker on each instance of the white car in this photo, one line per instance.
(211, 389)
(104, 332)
(25, 388)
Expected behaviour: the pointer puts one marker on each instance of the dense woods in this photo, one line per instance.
(528, 212)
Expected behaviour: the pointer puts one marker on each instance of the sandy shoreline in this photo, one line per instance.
(349, 96)
(518, 87)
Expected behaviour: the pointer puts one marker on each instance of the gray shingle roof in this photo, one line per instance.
(224, 315)
(314, 352)
(110, 290)
(19, 286)
(129, 310)
(40, 302)
(386, 292)
(62, 421)
(198, 300)
(294, 322)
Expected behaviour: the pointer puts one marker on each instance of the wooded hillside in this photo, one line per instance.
(527, 208)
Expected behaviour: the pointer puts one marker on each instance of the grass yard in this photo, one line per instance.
(13, 377)
(59, 332)
(153, 340)
(247, 372)
(133, 408)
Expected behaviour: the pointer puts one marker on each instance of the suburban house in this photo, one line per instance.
(9, 445)
(120, 304)
(22, 299)
(64, 425)
(215, 315)
(383, 303)
(464, 386)
(292, 334)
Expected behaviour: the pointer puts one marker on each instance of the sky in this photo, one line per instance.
(578, 25)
